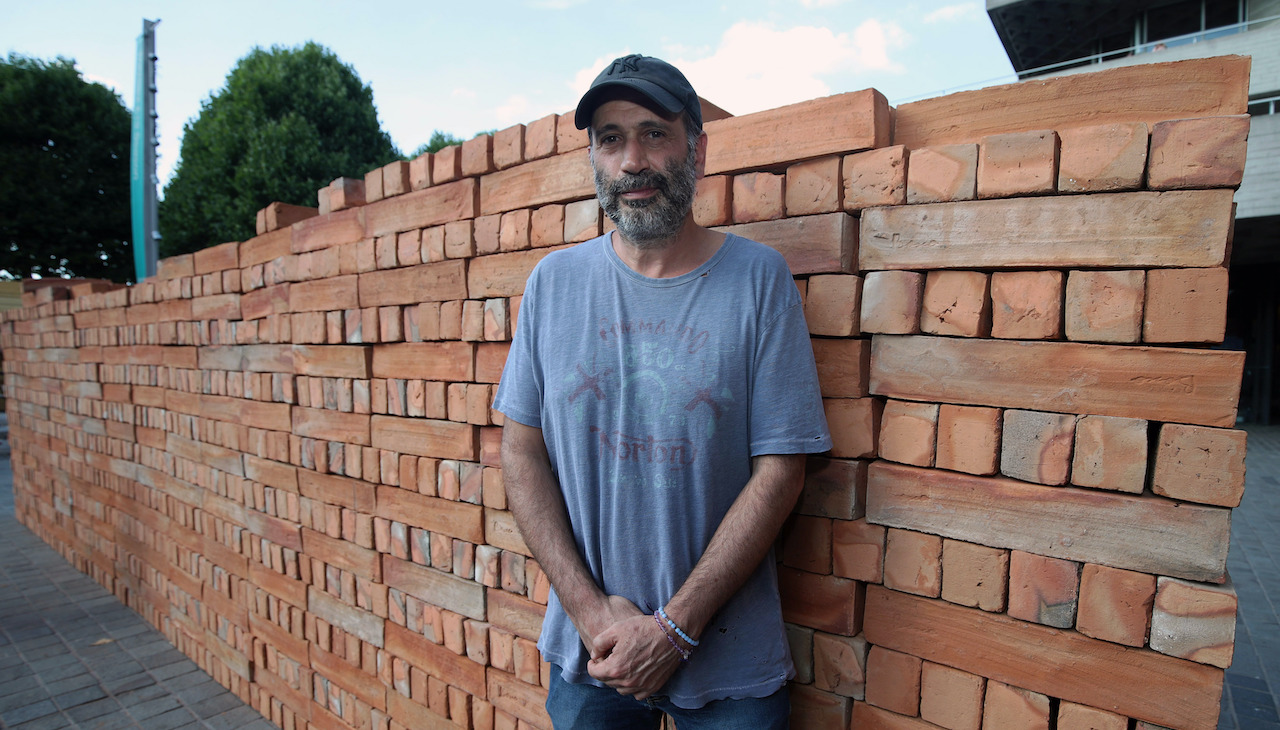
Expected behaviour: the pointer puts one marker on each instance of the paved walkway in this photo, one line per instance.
(71, 656)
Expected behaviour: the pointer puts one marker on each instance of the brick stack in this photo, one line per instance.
(281, 451)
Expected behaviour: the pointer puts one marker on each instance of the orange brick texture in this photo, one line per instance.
(281, 451)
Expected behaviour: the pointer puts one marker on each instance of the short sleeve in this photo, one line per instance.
(519, 395)
(786, 403)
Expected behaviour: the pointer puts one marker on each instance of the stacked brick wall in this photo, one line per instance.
(281, 451)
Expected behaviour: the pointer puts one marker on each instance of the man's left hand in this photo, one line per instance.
(634, 657)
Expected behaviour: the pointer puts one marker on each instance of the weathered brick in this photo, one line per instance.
(1195, 621)
(813, 187)
(758, 196)
(974, 575)
(908, 432)
(1018, 163)
(1185, 305)
(956, 303)
(969, 438)
(874, 178)
(913, 563)
(857, 550)
(1009, 706)
(1200, 464)
(891, 302)
(951, 698)
(1102, 158)
(893, 681)
(1104, 306)
(839, 664)
(1026, 305)
(942, 173)
(1110, 453)
(1198, 153)
(832, 305)
(1036, 446)
(854, 424)
(1043, 590)
(1115, 604)
(713, 203)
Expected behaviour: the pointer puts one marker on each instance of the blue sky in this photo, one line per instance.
(462, 68)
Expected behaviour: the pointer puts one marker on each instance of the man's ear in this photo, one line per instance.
(700, 156)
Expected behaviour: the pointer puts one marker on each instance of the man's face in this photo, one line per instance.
(645, 172)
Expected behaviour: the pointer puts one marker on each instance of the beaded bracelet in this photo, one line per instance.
(684, 653)
(687, 639)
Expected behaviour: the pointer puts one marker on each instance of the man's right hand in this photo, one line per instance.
(600, 616)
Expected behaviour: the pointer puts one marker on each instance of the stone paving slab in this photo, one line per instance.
(72, 656)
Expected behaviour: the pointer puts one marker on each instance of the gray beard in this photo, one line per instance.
(650, 223)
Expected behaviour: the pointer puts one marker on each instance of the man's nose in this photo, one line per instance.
(633, 157)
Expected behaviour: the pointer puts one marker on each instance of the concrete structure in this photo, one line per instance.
(1057, 37)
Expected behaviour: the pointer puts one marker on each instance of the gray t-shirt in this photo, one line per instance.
(652, 396)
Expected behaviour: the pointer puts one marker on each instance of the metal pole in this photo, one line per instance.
(143, 180)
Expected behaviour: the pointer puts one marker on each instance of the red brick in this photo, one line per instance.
(1043, 590)
(568, 136)
(813, 187)
(908, 432)
(857, 550)
(1018, 163)
(1185, 305)
(824, 602)
(477, 156)
(514, 232)
(1110, 453)
(582, 221)
(969, 439)
(1036, 446)
(1102, 158)
(875, 178)
(1115, 604)
(813, 708)
(843, 366)
(942, 173)
(486, 232)
(459, 242)
(854, 425)
(913, 563)
(1009, 707)
(508, 147)
(346, 192)
(757, 196)
(974, 575)
(540, 138)
(1026, 305)
(832, 305)
(956, 303)
(839, 664)
(1200, 464)
(713, 204)
(446, 164)
(1104, 306)
(546, 226)
(420, 171)
(893, 681)
(1072, 716)
(373, 185)
(395, 178)
(1195, 621)
(1208, 152)
(891, 302)
(951, 698)
(806, 544)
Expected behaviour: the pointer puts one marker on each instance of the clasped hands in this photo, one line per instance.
(630, 652)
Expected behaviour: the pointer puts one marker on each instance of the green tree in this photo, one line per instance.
(439, 140)
(64, 173)
(287, 123)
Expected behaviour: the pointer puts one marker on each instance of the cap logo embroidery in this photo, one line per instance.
(626, 63)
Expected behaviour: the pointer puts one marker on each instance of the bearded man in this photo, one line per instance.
(660, 396)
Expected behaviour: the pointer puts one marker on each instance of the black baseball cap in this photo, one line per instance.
(657, 80)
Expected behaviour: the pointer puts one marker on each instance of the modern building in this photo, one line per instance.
(1056, 37)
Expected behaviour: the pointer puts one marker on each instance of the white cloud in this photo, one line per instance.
(515, 110)
(759, 67)
(952, 12)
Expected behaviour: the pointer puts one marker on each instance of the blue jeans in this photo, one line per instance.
(588, 707)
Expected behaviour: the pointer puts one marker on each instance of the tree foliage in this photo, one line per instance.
(287, 123)
(439, 140)
(64, 173)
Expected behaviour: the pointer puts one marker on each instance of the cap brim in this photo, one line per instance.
(601, 93)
